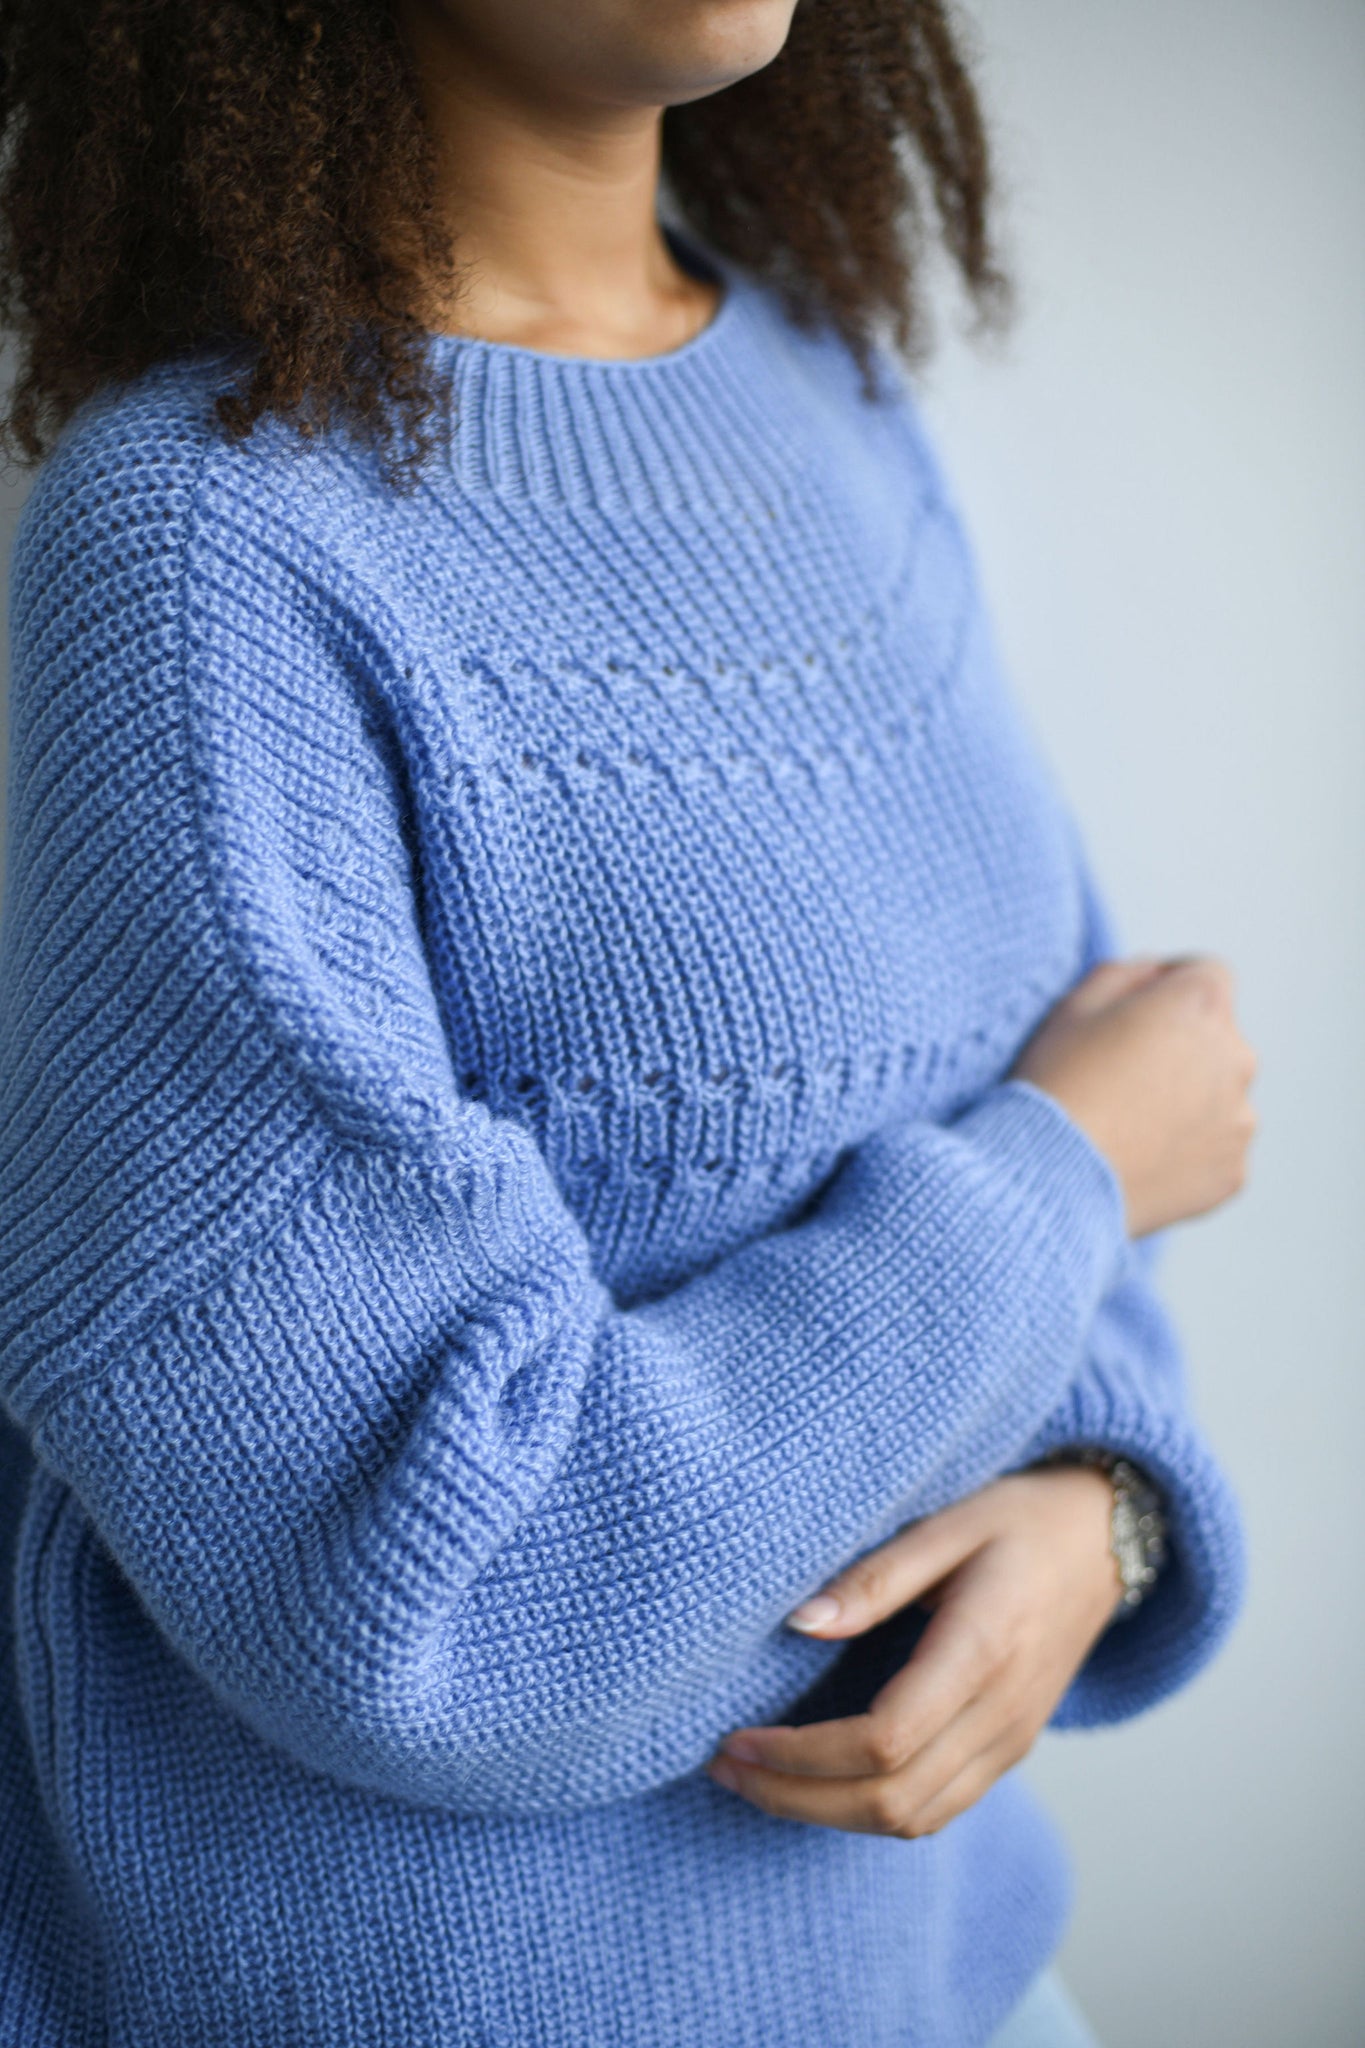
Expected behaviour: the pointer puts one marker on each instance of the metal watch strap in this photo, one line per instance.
(1137, 1527)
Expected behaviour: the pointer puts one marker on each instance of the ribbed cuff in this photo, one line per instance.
(1056, 1164)
(1198, 1593)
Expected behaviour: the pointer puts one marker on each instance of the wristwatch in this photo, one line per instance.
(1137, 1526)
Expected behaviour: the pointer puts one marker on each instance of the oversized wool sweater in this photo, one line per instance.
(508, 1180)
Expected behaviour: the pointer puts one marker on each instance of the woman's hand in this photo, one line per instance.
(1147, 1058)
(1021, 1581)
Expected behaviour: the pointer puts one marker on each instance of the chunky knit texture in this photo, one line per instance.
(506, 1183)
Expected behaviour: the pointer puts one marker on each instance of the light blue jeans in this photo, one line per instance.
(1047, 2016)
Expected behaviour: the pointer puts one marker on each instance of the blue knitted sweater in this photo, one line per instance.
(506, 1183)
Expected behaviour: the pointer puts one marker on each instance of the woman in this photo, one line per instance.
(566, 1081)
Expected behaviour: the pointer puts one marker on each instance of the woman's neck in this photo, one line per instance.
(551, 199)
(547, 127)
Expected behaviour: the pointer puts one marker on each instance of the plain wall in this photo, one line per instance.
(1164, 474)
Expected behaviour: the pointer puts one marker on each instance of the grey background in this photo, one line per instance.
(1165, 475)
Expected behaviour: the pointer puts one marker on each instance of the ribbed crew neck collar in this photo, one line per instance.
(719, 417)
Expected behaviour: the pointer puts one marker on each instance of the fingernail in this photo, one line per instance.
(723, 1773)
(817, 1612)
(744, 1747)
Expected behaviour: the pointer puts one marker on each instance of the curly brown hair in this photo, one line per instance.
(177, 172)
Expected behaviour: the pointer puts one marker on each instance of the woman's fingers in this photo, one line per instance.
(974, 1779)
(973, 1750)
(989, 1725)
(1110, 980)
(861, 1805)
(1016, 1615)
(892, 1575)
(951, 1663)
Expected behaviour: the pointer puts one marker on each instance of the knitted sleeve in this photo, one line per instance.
(1132, 1395)
(313, 1337)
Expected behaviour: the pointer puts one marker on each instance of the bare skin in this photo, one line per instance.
(547, 126)
(1148, 1059)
